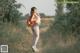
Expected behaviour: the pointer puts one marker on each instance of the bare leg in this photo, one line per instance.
(35, 36)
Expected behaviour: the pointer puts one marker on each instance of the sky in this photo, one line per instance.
(44, 6)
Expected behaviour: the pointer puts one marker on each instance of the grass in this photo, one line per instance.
(19, 39)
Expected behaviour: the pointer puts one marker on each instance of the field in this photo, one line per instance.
(19, 38)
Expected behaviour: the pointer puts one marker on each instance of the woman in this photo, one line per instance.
(34, 22)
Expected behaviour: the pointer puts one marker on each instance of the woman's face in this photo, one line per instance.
(35, 11)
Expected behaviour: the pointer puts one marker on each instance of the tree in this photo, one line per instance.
(67, 23)
(9, 10)
(74, 15)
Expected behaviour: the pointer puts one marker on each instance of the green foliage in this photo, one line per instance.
(67, 23)
(9, 11)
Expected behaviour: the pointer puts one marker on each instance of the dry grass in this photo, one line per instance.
(19, 39)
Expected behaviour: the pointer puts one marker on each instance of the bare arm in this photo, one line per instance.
(38, 18)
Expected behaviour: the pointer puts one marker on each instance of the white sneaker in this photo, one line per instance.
(35, 49)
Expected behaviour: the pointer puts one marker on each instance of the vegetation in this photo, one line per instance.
(64, 34)
(68, 23)
(9, 12)
(59, 34)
